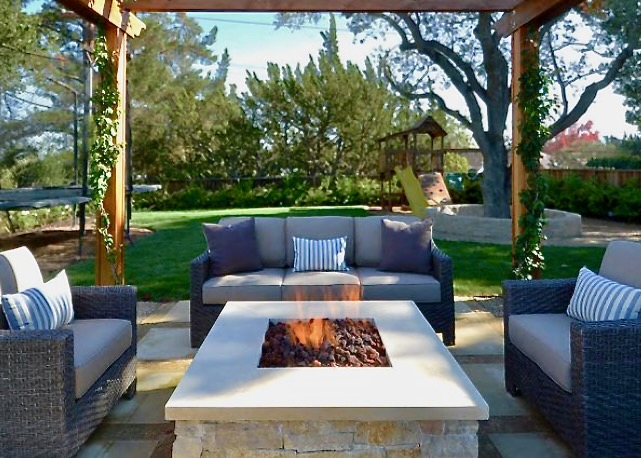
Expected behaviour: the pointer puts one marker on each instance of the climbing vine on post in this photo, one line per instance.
(535, 104)
(105, 150)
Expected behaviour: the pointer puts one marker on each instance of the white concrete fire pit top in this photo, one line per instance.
(224, 382)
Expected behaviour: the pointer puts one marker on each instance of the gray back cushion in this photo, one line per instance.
(622, 263)
(317, 228)
(270, 235)
(367, 234)
(19, 270)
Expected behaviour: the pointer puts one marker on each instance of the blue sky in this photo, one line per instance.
(253, 41)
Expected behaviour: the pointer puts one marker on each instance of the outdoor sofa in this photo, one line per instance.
(56, 386)
(275, 280)
(583, 375)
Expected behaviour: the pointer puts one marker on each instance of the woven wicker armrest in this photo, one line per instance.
(199, 272)
(441, 265)
(537, 296)
(104, 302)
(36, 372)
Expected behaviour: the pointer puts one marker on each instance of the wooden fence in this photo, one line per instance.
(613, 177)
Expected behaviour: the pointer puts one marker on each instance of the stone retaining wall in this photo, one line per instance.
(326, 439)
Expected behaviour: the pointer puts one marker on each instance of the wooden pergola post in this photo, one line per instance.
(520, 46)
(114, 202)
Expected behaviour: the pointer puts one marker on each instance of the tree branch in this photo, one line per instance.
(558, 76)
(590, 92)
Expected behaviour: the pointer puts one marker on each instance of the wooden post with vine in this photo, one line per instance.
(107, 162)
(530, 114)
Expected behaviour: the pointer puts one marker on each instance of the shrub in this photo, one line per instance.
(617, 163)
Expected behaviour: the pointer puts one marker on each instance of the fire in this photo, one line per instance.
(313, 333)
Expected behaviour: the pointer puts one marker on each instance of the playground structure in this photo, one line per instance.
(410, 160)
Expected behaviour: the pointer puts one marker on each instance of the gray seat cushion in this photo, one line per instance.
(264, 285)
(378, 285)
(622, 263)
(317, 286)
(368, 239)
(98, 343)
(545, 339)
(270, 235)
(320, 227)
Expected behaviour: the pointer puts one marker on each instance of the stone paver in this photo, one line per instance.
(529, 445)
(165, 344)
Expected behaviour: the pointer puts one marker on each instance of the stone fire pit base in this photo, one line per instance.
(317, 439)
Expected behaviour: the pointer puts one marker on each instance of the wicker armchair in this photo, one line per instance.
(600, 416)
(42, 415)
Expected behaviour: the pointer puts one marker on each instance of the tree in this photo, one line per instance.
(177, 108)
(324, 118)
(463, 52)
(17, 40)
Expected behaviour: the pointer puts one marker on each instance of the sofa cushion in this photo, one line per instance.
(319, 227)
(97, 344)
(47, 306)
(622, 262)
(319, 255)
(545, 339)
(18, 271)
(406, 247)
(378, 285)
(367, 238)
(595, 298)
(318, 286)
(270, 235)
(232, 248)
(264, 285)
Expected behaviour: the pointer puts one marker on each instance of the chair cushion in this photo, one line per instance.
(18, 271)
(318, 286)
(622, 263)
(232, 248)
(270, 235)
(319, 227)
(264, 285)
(391, 286)
(406, 247)
(595, 298)
(97, 344)
(47, 306)
(319, 255)
(367, 238)
(545, 339)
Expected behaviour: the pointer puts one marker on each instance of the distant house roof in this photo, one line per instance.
(426, 125)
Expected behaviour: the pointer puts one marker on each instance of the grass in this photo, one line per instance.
(159, 264)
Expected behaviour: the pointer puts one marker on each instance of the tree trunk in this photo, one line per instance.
(496, 181)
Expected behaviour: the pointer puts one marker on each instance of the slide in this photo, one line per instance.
(430, 189)
(413, 191)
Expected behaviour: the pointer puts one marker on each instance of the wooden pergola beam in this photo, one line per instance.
(106, 11)
(532, 12)
(320, 5)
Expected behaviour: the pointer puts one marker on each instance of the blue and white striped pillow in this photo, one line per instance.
(596, 298)
(319, 255)
(47, 306)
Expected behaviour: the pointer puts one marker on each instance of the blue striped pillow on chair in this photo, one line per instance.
(596, 298)
(319, 255)
(47, 306)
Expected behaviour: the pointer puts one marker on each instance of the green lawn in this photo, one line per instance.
(159, 264)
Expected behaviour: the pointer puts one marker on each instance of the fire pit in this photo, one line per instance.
(323, 342)
(421, 405)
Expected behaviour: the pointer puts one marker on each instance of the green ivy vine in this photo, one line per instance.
(535, 104)
(105, 150)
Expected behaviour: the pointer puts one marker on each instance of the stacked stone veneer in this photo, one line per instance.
(326, 439)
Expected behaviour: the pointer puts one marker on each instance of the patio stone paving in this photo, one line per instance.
(136, 428)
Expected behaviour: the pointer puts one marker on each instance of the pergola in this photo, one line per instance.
(120, 22)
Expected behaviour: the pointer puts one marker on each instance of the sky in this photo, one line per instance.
(252, 41)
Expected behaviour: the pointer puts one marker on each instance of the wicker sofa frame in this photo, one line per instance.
(41, 416)
(439, 314)
(601, 417)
